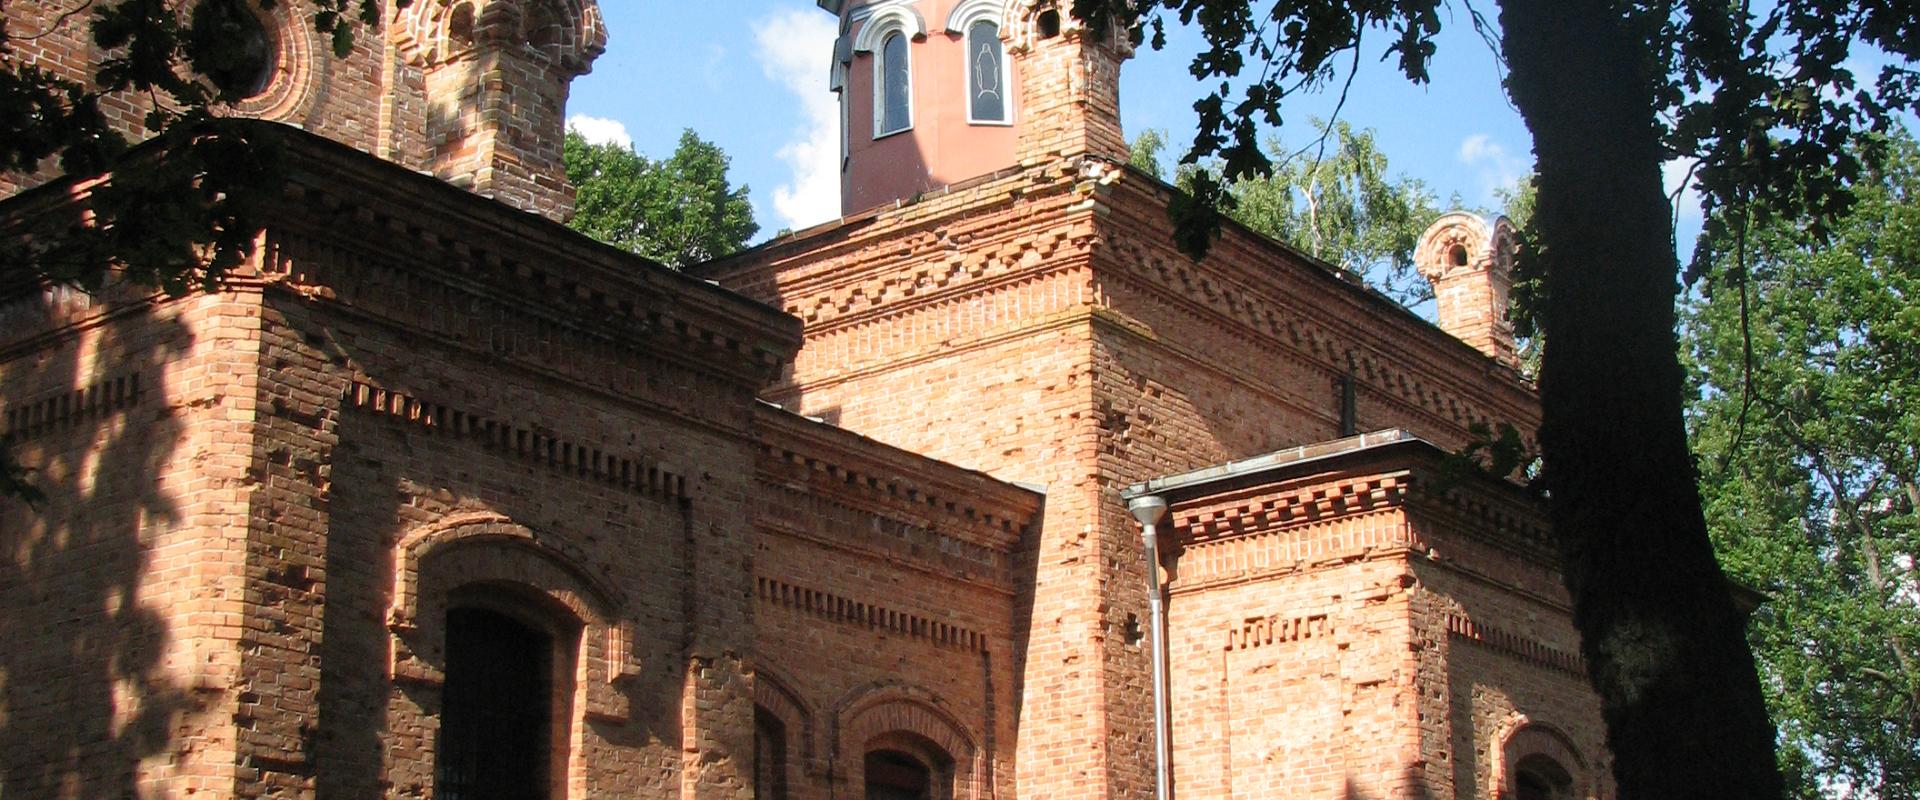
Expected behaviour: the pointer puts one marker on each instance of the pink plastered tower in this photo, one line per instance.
(934, 92)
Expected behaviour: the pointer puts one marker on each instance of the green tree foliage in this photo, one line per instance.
(1807, 424)
(1334, 200)
(678, 211)
(1764, 96)
(1144, 152)
(1340, 204)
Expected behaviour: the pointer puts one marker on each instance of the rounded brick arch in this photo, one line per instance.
(1021, 20)
(776, 695)
(425, 35)
(967, 12)
(1487, 241)
(1521, 737)
(889, 712)
(488, 551)
(299, 69)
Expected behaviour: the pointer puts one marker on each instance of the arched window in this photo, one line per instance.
(542, 28)
(892, 87)
(503, 705)
(904, 766)
(460, 26)
(1540, 763)
(232, 47)
(1049, 24)
(987, 99)
(1539, 777)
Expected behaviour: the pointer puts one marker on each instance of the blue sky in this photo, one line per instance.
(751, 75)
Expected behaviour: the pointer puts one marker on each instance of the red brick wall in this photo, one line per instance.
(887, 586)
(125, 594)
(498, 121)
(1365, 629)
(244, 566)
(1038, 325)
(1500, 654)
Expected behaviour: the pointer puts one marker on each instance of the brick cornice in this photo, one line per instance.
(941, 240)
(845, 467)
(1258, 288)
(394, 221)
(1411, 478)
(1266, 509)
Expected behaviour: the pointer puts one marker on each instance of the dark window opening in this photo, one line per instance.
(496, 740)
(460, 26)
(894, 775)
(1049, 24)
(229, 44)
(769, 756)
(1538, 777)
(1458, 255)
(542, 29)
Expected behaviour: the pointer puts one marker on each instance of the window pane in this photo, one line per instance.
(895, 83)
(986, 73)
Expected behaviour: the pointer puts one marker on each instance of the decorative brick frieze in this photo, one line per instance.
(1264, 511)
(49, 414)
(1265, 631)
(504, 304)
(521, 442)
(871, 616)
(1297, 548)
(1250, 284)
(1530, 651)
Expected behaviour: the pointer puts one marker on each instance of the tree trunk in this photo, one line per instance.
(1663, 640)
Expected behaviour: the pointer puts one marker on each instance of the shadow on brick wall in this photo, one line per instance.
(92, 679)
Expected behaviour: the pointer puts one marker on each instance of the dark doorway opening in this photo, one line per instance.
(769, 756)
(495, 742)
(893, 775)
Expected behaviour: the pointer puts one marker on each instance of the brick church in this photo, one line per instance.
(438, 498)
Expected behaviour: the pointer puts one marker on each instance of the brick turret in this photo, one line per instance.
(1469, 261)
(1071, 83)
(496, 74)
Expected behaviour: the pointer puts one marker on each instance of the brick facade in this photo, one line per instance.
(862, 500)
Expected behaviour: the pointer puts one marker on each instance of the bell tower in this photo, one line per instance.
(933, 92)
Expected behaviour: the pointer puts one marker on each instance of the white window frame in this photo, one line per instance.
(880, 87)
(837, 82)
(872, 37)
(959, 21)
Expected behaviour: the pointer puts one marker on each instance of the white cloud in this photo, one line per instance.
(714, 71)
(1675, 175)
(600, 130)
(793, 47)
(1498, 168)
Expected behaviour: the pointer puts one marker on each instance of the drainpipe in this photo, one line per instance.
(1148, 509)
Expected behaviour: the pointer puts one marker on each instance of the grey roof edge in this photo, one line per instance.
(1248, 470)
